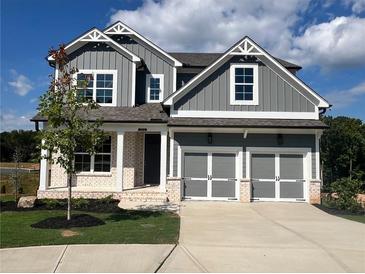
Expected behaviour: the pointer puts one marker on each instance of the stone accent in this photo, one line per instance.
(26, 201)
(133, 159)
(245, 191)
(315, 192)
(56, 194)
(173, 189)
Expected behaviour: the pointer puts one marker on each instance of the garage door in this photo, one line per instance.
(209, 175)
(277, 176)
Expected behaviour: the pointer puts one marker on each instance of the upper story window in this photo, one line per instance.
(154, 88)
(99, 162)
(244, 84)
(98, 85)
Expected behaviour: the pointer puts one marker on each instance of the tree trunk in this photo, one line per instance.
(350, 169)
(69, 184)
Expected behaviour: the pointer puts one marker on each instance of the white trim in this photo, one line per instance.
(160, 96)
(95, 35)
(163, 160)
(246, 114)
(121, 28)
(317, 155)
(133, 99)
(255, 85)
(44, 170)
(172, 142)
(260, 51)
(119, 165)
(239, 130)
(179, 154)
(94, 72)
(174, 76)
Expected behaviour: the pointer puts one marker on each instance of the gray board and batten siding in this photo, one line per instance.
(154, 63)
(105, 57)
(275, 94)
(237, 140)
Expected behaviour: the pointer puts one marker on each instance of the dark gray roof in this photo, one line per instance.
(194, 59)
(147, 113)
(245, 122)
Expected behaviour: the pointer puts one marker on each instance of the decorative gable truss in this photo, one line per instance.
(120, 28)
(247, 47)
(96, 36)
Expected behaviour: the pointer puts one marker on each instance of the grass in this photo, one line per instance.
(122, 227)
(330, 209)
(28, 183)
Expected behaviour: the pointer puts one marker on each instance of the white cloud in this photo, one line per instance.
(357, 6)
(344, 98)
(332, 44)
(20, 83)
(11, 120)
(213, 25)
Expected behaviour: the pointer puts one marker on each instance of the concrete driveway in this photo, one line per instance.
(265, 237)
(84, 258)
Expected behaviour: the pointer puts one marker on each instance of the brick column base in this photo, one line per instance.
(315, 192)
(245, 191)
(173, 189)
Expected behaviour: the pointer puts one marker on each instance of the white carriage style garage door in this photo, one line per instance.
(280, 175)
(211, 175)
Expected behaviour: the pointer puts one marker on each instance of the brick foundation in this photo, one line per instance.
(55, 194)
(245, 190)
(173, 189)
(315, 192)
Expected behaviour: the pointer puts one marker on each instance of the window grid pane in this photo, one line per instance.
(154, 89)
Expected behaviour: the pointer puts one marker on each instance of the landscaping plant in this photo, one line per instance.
(67, 119)
(346, 191)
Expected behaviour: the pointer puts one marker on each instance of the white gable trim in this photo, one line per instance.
(95, 35)
(246, 47)
(121, 28)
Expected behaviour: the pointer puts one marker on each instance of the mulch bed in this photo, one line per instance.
(80, 220)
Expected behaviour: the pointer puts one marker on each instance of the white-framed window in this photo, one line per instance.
(99, 162)
(100, 86)
(244, 84)
(154, 88)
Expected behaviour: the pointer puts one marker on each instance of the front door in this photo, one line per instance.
(209, 175)
(152, 146)
(278, 176)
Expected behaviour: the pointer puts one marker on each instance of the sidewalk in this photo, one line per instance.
(84, 258)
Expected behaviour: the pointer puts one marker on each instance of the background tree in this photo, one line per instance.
(67, 125)
(343, 149)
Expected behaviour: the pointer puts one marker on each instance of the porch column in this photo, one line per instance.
(120, 148)
(44, 170)
(163, 161)
(171, 168)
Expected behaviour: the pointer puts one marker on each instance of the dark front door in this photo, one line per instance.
(152, 146)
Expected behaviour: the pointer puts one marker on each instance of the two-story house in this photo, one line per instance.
(238, 125)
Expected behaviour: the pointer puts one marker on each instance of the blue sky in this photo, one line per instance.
(325, 37)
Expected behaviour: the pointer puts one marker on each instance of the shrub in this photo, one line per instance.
(52, 203)
(80, 203)
(346, 190)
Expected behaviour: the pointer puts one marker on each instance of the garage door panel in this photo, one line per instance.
(195, 188)
(263, 166)
(195, 165)
(263, 189)
(223, 188)
(291, 166)
(291, 189)
(223, 165)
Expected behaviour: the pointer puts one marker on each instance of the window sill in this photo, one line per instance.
(94, 174)
(244, 103)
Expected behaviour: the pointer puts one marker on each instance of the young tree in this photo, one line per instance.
(15, 176)
(67, 119)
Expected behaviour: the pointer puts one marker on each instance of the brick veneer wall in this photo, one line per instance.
(315, 192)
(133, 159)
(245, 190)
(173, 189)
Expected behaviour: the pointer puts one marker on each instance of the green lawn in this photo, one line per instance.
(356, 218)
(120, 227)
(330, 209)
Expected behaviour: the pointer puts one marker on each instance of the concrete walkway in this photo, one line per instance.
(265, 237)
(84, 258)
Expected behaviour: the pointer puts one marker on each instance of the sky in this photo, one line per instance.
(325, 37)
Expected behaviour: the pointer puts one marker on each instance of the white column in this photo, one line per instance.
(163, 161)
(171, 171)
(120, 148)
(44, 170)
(318, 163)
